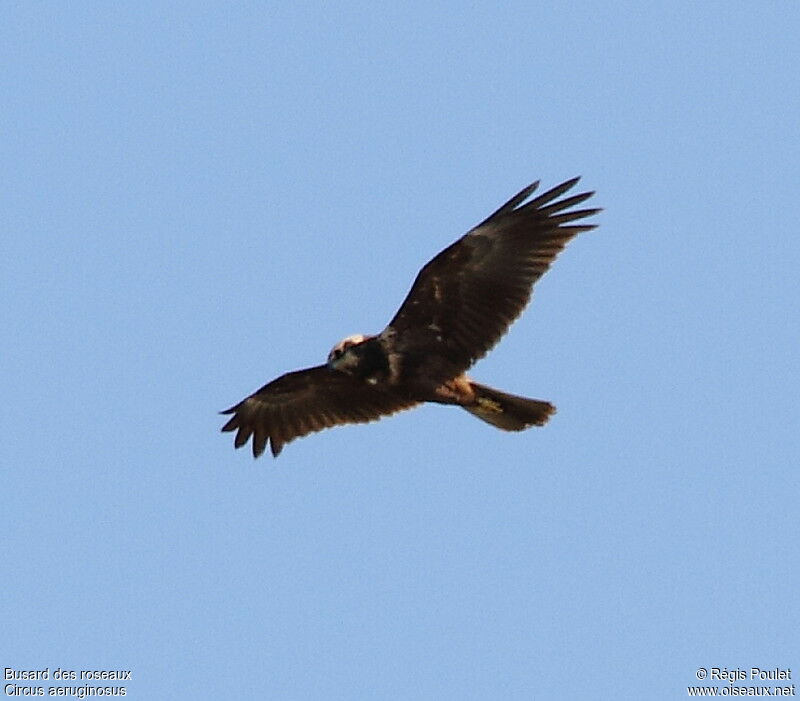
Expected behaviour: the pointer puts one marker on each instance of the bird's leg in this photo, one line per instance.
(456, 391)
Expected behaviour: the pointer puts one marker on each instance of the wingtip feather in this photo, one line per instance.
(276, 446)
(242, 436)
(231, 424)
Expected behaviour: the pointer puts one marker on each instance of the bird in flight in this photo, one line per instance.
(460, 305)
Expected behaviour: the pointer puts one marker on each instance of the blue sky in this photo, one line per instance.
(200, 197)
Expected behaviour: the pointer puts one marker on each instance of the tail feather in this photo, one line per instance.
(508, 411)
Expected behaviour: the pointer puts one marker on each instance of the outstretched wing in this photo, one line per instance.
(465, 298)
(305, 401)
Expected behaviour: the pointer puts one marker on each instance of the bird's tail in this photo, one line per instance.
(507, 411)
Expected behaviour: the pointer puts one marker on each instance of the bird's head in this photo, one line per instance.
(339, 358)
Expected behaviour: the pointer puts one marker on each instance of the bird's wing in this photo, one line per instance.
(465, 298)
(305, 401)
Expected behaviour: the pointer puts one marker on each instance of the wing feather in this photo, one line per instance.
(466, 297)
(305, 401)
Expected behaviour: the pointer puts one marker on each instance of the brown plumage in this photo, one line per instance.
(304, 401)
(460, 305)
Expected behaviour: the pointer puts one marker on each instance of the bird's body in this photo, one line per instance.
(459, 306)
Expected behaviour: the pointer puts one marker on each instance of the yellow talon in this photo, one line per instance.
(490, 405)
